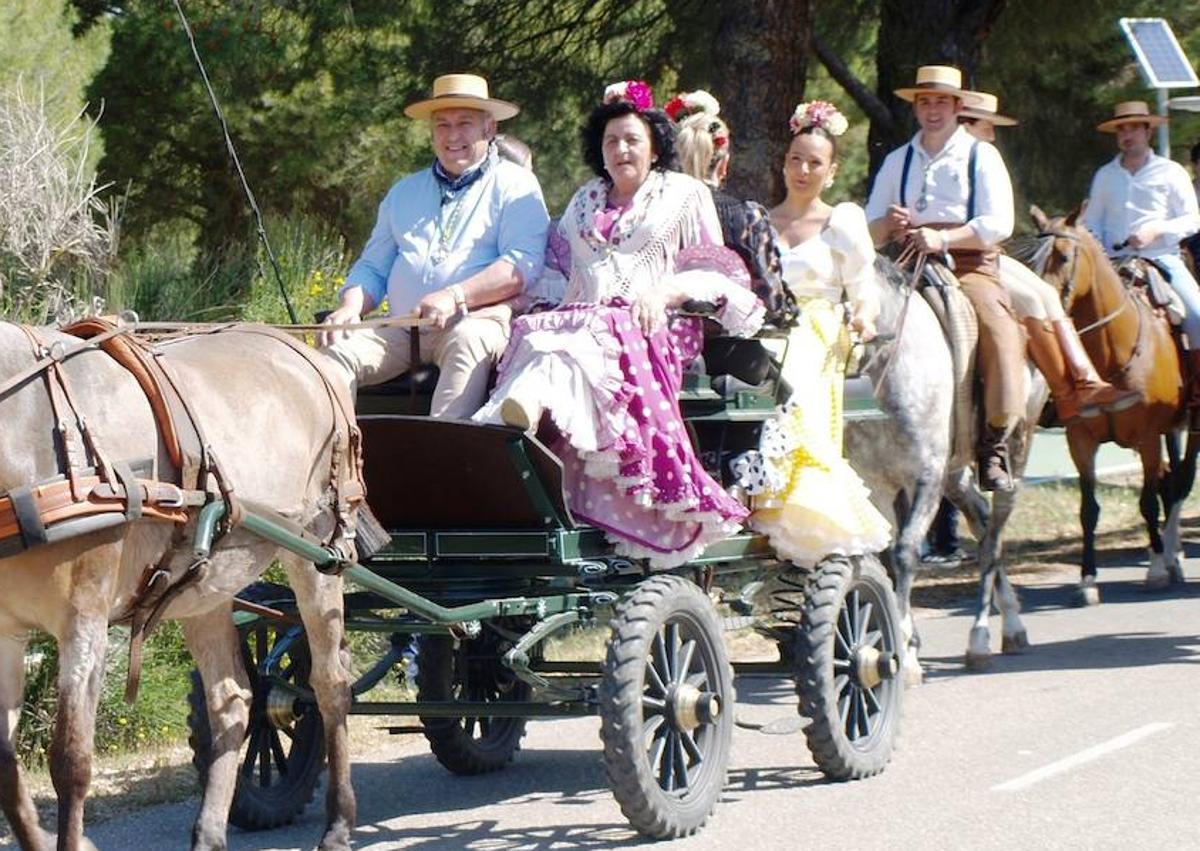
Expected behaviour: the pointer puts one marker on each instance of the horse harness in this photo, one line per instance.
(96, 492)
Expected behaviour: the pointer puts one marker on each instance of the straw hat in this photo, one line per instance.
(938, 79)
(461, 91)
(1131, 112)
(986, 110)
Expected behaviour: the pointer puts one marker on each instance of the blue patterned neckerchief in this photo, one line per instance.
(450, 186)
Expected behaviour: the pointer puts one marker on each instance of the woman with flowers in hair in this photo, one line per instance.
(703, 143)
(808, 500)
(634, 244)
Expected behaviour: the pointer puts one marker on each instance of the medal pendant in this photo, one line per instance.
(921, 204)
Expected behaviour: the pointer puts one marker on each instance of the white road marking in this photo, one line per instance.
(1084, 756)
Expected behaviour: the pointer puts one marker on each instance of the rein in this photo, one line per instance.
(889, 348)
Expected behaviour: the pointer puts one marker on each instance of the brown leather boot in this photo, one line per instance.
(994, 470)
(1090, 388)
(1048, 357)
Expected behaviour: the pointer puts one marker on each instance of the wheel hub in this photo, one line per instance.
(690, 707)
(281, 708)
(873, 666)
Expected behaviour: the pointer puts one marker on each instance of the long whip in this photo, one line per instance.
(258, 220)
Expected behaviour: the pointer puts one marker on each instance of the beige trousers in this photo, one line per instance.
(1031, 297)
(1001, 351)
(465, 352)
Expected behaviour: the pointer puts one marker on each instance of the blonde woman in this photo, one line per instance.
(703, 145)
(808, 499)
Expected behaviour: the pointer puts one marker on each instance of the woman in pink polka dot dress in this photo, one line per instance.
(605, 367)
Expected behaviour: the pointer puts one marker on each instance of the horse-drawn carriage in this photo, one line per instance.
(486, 563)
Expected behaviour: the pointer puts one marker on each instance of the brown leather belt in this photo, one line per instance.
(966, 260)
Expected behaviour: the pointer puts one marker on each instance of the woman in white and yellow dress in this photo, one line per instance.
(807, 498)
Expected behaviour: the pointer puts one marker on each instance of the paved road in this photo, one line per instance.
(1091, 740)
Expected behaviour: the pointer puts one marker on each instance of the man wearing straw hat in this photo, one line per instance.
(451, 244)
(945, 192)
(1054, 344)
(1143, 204)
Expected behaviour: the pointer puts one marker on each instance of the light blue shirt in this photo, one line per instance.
(501, 216)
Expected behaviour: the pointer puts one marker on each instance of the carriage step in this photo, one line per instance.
(787, 725)
(406, 729)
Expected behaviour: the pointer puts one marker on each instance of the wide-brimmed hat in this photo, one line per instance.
(938, 79)
(1131, 112)
(461, 91)
(986, 109)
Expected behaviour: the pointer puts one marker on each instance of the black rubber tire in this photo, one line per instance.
(470, 670)
(278, 768)
(653, 625)
(850, 605)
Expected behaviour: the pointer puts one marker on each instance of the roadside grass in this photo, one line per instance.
(133, 772)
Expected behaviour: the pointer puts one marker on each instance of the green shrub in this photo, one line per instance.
(312, 262)
(159, 716)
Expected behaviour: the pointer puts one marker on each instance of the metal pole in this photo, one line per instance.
(1164, 129)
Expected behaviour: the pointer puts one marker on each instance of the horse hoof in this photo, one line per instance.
(1175, 571)
(913, 675)
(1157, 581)
(1087, 595)
(978, 662)
(1018, 642)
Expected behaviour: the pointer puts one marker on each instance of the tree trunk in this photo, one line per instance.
(924, 32)
(759, 64)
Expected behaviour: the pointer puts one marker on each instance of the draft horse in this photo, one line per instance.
(271, 415)
(1132, 346)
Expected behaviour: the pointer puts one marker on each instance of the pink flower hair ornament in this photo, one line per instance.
(636, 92)
(818, 113)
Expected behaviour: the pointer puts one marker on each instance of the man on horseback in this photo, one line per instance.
(1142, 204)
(1054, 344)
(945, 192)
(452, 243)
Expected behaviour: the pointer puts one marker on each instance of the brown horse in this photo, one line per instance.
(270, 416)
(1132, 346)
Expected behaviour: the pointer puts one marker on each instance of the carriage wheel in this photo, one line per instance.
(848, 657)
(472, 670)
(284, 750)
(666, 708)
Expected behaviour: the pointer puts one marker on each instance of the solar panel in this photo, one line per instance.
(1162, 60)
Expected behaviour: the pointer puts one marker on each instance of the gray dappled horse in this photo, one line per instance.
(909, 462)
(270, 417)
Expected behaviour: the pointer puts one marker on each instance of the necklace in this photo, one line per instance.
(447, 222)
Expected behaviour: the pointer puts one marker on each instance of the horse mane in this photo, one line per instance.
(1033, 251)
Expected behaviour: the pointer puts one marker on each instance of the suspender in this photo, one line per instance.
(971, 158)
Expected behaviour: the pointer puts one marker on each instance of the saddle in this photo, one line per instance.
(1153, 281)
(940, 289)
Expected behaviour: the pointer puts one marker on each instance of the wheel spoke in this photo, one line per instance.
(655, 681)
(841, 664)
(264, 760)
(864, 620)
(872, 638)
(660, 659)
(843, 646)
(653, 705)
(698, 680)
(869, 694)
(256, 732)
(277, 751)
(666, 768)
(864, 720)
(681, 769)
(685, 661)
(655, 726)
(845, 630)
(839, 683)
(844, 707)
(469, 727)
(672, 650)
(689, 745)
(658, 749)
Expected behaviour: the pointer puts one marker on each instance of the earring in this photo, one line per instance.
(828, 182)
